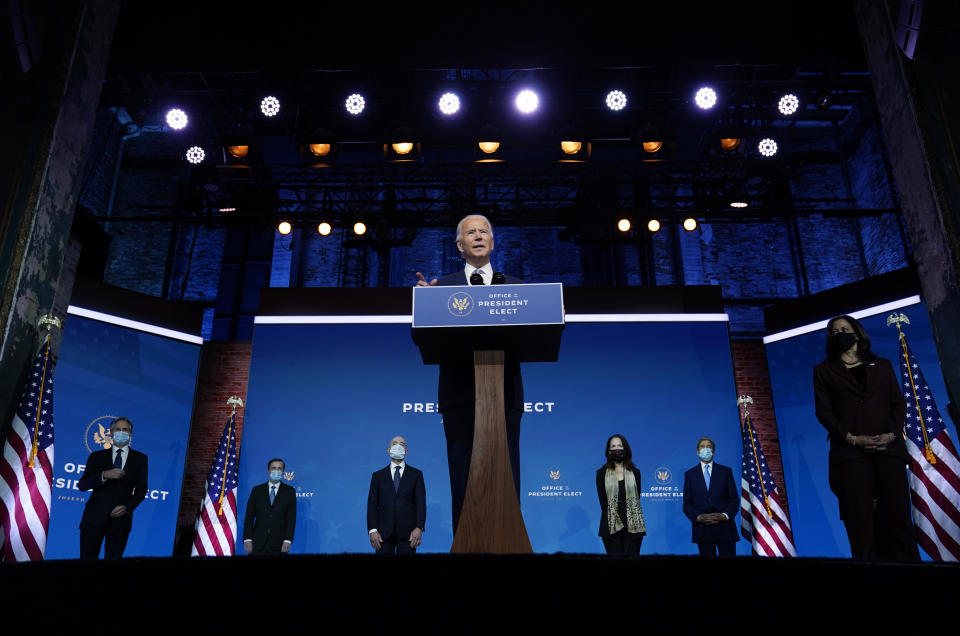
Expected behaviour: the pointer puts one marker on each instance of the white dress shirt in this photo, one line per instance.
(486, 271)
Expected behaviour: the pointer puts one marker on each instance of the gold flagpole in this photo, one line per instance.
(49, 321)
(896, 319)
(744, 400)
(232, 401)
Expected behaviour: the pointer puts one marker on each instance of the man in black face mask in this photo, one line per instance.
(859, 402)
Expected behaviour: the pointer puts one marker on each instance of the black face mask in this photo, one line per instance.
(842, 341)
(617, 455)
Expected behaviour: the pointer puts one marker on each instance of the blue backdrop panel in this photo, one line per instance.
(328, 398)
(105, 371)
(817, 529)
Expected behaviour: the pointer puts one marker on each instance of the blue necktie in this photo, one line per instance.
(396, 479)
(118, 460)
(706, 475)
(273, 494)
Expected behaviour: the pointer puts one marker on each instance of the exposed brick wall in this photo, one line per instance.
(752, 377)
(224, 371)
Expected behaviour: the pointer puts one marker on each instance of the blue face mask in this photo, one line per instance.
(276, 475)
(706, 453)
(121, 438)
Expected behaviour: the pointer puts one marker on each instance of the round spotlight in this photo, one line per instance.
(738, 204)
(176, 119)
(355, 104)
(238, 151)
(616, 100)
(706, 98)
(359, 228)
(488, 147)
(623, 225)
(652, 146)
(527, 101)
(690, 224)
(324, 228)
(228, 209)
(284, 227)
(449, 104)
(729, 144)
(571, 147)
(270, 106)
(319, 150)
(653, 225)
(402, 148)
(788, 104)
(195, 154)
(767, 147)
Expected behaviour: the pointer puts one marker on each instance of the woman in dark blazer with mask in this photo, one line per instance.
(618, 486)
(859, 401)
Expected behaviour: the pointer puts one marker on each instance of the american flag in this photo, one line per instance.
(216, 531)
(26, 469)
(763, 521)
(934, 466)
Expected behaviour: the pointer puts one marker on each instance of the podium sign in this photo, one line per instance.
(488, 305)
(526, 320)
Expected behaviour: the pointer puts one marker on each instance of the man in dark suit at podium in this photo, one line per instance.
(118, 478)
(456, 388)
(397, 504)
(271, 514)
(711, 501)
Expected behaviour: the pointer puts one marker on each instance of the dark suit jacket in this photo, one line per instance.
(456, 384)
(396, 514)
(722, 497)
(602, 494)
(128, 491)
(844, 407)
(268, 526)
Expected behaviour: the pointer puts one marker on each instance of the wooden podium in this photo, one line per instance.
(490, 520)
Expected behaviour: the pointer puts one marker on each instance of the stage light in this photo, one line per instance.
(527, 101)
(653, 225)
(176, 119)
(623, 225)
(767, 147)
(284, 227)
(488, 147)
(270, 106)
(652, 147)
(402, 148)
(571, 147)
(729, 144)
(228, 209)
(359, 228)
(319, 150)
(355, 104)
(706, 98)
(788, 104)
(616, 100)
(239, 151)
(738, 204)
(449, 104)
(195, 154)
(690, 224)
(324, 228)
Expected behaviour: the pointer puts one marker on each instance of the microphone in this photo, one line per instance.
(477, 279)
(499, 278)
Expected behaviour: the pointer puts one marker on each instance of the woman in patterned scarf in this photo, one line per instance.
(618, 487)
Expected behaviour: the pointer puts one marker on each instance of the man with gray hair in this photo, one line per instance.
(456, 397)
